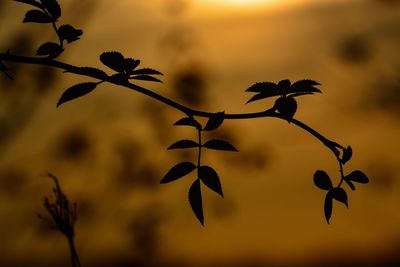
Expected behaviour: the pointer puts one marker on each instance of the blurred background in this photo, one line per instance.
(108, 149)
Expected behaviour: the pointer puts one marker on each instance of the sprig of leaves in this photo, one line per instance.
(49, 11)
(206, 175)
(324, 182)
(285, 104)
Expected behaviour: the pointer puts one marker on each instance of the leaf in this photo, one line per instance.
(322, 180)
(119, 78)
(287, 106)
(184, 144)
(146, 78)
(52, 7)
(37, 16)
(340, 195)
(130, 64)
(188, 121)
(304, 86)
(210, 178)
(196, 201)
(113, 60)
(328, 206)
(358, 177)
(178, 171)
(76, 91)
(146, 71)
(214, 121)
(259, 96)
(267, 87)
(30, 2)
(219, 145)
(69, 33)
(347, 153)
(350, 184)
(52, 50)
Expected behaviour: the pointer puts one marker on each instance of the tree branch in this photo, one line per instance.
(333, 146)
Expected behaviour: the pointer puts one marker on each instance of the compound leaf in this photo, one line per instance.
(76, 91)
(219, 145)
(322, 180)
(196, 201)
(210, 178)
(178, 171)
(184, 144)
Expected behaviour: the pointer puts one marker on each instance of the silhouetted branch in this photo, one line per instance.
(188, 111)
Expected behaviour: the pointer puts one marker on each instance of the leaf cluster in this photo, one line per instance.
(205, 175)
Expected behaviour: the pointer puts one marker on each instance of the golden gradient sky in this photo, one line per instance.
(272, 212)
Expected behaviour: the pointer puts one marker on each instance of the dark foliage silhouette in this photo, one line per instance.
(125, 71)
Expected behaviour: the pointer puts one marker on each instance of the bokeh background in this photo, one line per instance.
(108, 149)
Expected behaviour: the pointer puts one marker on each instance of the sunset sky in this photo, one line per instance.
(109, 148)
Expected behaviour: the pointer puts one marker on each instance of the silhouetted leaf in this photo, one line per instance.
(219, 145)
(93, 72)
(52, 50)
(283, 86)
(196, 201)
(52, 7)
(69, 33)
(76, 91)
(286, 106)
(130, 64)
(214, 121)
(146, 71)
(146, 78)
(322, 180)
(300, 94)
(347, 153)
(184, 144)
(304, 86)
(113, 60)
(210, 178)
(340, 195)
(188, 121)
(358, 177)
(178, 171)
(260, 96)
(328, 206)
(350, 184)
(30, 2)
(264, 87)
(37, 16)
